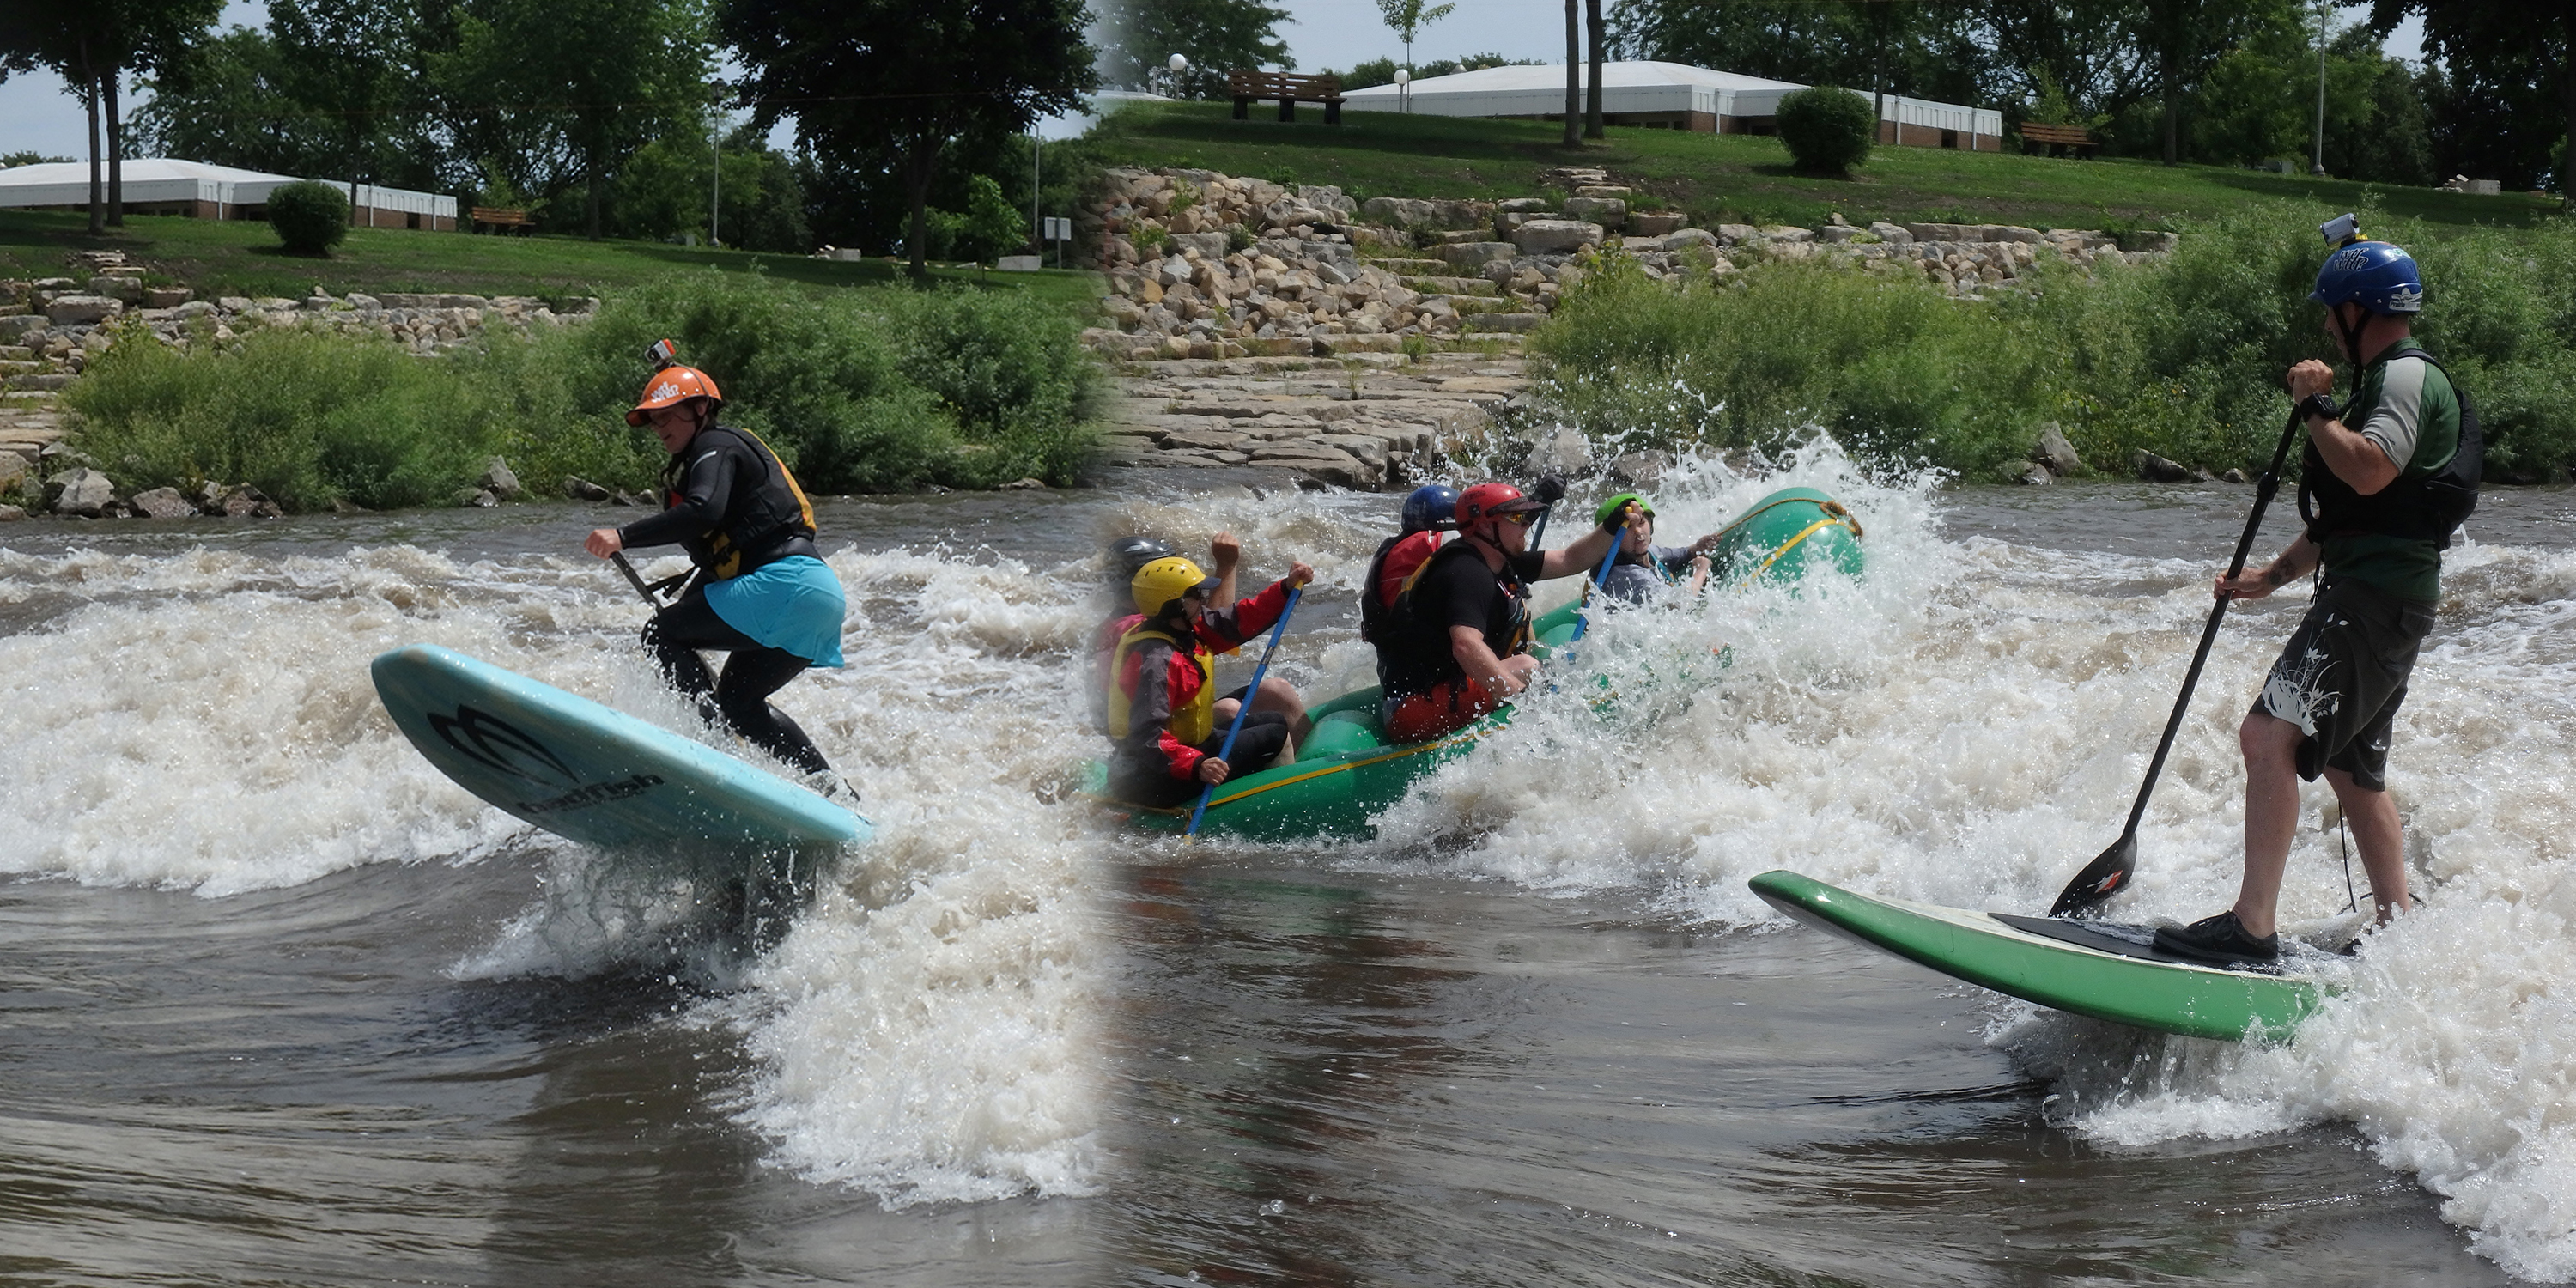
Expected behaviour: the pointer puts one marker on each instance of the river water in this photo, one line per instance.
(283, 1006)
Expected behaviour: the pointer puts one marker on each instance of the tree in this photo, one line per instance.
(1573, 77)
(1408, 18)
(890, 84)
(2510, 74)
(1592, 96)
(585, 83)
(92, 45)
(1217, 36)
(1930, 50)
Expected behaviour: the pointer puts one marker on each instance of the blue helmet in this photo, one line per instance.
(2374, 274)
(1430, 506)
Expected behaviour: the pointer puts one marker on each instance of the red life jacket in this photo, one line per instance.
(1396, 561)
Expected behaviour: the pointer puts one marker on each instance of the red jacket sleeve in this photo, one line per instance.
(1225, 630)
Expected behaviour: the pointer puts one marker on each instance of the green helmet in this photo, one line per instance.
(1614, 505)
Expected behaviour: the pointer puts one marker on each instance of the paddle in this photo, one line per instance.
(636, 580)
(2109, 872)
(1251, 691)
(1600, 578)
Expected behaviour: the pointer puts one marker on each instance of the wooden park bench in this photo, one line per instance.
(501, 219)
(2071, 138)
(1289, 90)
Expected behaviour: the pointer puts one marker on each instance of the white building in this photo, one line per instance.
(167, 186)
(1672, 96)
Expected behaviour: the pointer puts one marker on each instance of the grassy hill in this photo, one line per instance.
(1742, 178)
(243, 258)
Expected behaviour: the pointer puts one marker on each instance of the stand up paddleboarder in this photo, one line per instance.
(2383, 483)
(761, 594)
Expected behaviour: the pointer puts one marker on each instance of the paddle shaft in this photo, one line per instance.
(636, 580)
(1250, 692)
(2264, 488)
(1600, 578)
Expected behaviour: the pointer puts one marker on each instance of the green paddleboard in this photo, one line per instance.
(2106, 970)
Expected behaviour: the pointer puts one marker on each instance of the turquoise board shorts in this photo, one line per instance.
(793, 604)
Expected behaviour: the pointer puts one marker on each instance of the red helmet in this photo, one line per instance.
(1478, 506)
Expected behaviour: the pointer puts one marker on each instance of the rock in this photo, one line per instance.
(638, 499)
(165, 297)
(578, 488)
(186, 309)
(2056, 453)
(1609, 212)
(1639, 469)
(11, 514)
(1892, 234)
(1556, 236)
(83, 310)
(1525, 206)
(163, 503)
(2232, 476)
(1788, 234)
(1025, 485)
(1396, 212)
(2036, 475)
(1288, 212)
(1563, 451)
(1689, 237)
(126, 289)
(1654, 225)
(1474, 255)
(1836, 234)
(15, 329)
(480, 498)
(1516, 323)
(1325, 197)
(13, 470)
(498, 480)
(1738, 234)
(247, 502)
(79, 490)
(2156, 469)
(1210, 246)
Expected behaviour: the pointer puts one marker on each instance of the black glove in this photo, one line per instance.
(1549, 491)
(2316, 406)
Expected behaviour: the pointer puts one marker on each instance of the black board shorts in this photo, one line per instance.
(1264, 736)
(2342, 677)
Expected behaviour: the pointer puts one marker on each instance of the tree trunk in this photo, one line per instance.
(593, 201)
(918, 161)
(97, 190)
(1592, 97)
(2173, 114)
(115, 155)
(2567, 99)
(1573, 76)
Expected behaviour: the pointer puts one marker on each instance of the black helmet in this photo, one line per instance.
(1129, 555)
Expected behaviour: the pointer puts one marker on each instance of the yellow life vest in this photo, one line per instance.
(1194, 723)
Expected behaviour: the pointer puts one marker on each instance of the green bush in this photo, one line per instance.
(1827, 130)
(989, 227)
(309, 217)
(859, 390)
(2182, 357)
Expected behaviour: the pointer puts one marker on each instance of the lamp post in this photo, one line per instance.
(1403, 90)
(2325, 16)
(715, 149)
(1177, 64)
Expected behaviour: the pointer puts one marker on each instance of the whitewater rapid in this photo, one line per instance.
(1964, 725)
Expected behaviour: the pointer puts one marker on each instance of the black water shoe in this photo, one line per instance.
(2220, 940)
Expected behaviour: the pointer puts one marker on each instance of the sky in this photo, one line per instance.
(35, 113)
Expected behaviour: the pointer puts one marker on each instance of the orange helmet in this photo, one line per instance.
(670, 385)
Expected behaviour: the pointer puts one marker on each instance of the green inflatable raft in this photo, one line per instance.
(1346, 773)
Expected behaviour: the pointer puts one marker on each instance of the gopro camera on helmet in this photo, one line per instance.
(662, 354)
(2342, 230)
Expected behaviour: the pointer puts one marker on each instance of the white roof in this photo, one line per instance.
(1633, 87)
(156, 180)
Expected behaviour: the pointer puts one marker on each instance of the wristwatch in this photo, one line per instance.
(2317, 405)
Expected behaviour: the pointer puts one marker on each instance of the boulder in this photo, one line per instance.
(16, 328)
(1654, 225)
(1892, 234)
(2035, 474)
(1287, 212)
(2156, 469)
(577, 488)
(163, 503)
(2056, 453)
(1396, 212)
(1326, 197)
(1210, 246)
(1639, 469)
(1562, 451)
(1738, 234)
(1475, 255)
(1525, 206)
(13, 470)
(83, 310)
(11, 514)
(1515, 323)
(165, 297)
(1689, 237)
(1609, 212)
(498, 480)
(1556, 236)
(247, 502)
(79, 490)
(126, 289)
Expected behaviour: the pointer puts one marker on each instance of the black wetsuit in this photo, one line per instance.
(731, 505)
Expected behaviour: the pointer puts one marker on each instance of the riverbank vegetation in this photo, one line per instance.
(2181, 357)
(883, 389)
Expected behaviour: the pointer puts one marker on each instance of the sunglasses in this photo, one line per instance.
(1518, 518)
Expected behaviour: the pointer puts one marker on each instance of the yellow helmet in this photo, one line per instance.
(1157, 584)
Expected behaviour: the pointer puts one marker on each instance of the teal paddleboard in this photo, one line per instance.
(587, 773)
(2106, 970)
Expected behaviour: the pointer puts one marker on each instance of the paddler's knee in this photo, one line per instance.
(2264, 738)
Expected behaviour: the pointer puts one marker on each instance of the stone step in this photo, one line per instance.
(47, 381)
(1410, 267)
(25, 398)
(16, 352)
(20, 366)
(1454, 286)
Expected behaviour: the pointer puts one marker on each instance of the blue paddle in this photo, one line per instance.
(1583, 621)
(1226, 749)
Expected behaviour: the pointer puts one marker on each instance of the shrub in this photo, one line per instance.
(309, 217)
(1827, 130)
(991, 226)
(859, 390)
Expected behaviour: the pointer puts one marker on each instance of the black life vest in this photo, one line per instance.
(1389, 572)
(2426, 508)
(1404, 624)
(767, 518)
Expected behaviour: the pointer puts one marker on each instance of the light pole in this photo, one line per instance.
(1178, 65)
(1403, 90)
(715, 149)
(2325, 16)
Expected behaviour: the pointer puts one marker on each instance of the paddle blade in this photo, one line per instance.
(2107, 875)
